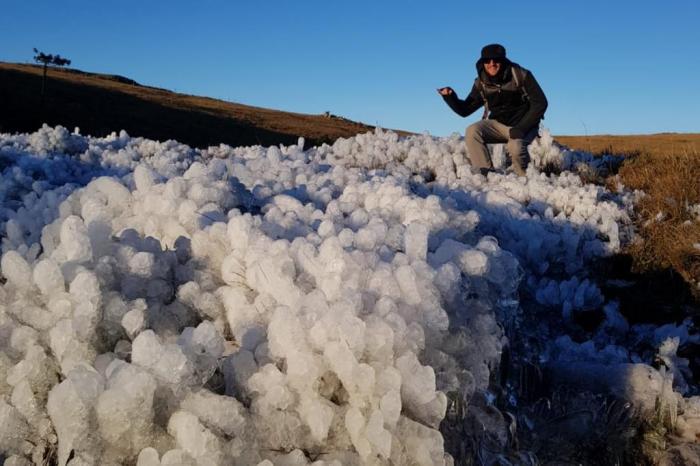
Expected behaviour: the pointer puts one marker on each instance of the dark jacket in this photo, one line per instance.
(506, 102)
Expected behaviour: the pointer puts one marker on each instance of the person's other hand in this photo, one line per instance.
(445, 91)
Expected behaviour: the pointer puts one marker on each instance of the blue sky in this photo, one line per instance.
(614, 67)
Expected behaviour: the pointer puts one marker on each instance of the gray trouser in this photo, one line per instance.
(492, 132)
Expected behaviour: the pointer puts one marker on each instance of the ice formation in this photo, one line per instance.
(547, 154)
(250, 305)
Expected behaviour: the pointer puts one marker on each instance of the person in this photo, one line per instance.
(514, 105)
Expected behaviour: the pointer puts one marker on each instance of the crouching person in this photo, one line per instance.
(513, 105)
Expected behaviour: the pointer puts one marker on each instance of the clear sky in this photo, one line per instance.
(614, 67)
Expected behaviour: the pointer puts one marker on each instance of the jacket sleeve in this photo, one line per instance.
(467, 106)
(538, 104)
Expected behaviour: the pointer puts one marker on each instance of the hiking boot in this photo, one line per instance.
(483, 171)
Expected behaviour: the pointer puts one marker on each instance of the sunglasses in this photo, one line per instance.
(497, 61)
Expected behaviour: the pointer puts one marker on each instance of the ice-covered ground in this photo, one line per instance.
(287, 306)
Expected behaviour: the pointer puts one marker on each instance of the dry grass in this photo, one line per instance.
(667, 168)
(651, 144)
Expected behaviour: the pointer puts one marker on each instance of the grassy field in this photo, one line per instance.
(662, 144)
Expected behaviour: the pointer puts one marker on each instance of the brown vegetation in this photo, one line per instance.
(100, 104)
(651, 144)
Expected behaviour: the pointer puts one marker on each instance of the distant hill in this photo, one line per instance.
(100, 104)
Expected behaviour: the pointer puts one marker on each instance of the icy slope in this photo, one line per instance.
(236, 305)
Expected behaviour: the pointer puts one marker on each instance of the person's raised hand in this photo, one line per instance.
(445, 91)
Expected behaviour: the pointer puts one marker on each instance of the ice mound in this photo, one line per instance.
(56, 140)
(165, 305)
(572, 295)
(546, 154)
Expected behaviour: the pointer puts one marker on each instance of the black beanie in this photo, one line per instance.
(493, 51)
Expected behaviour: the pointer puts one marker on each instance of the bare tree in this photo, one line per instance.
(48, 59)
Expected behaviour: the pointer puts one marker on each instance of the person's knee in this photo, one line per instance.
(474, 132)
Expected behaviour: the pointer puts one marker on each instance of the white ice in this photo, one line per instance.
(245, 305)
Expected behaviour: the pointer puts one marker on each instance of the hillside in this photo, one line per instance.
(100, 104)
